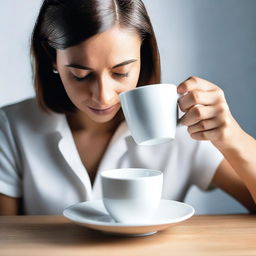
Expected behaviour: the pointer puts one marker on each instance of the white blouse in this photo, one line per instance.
(39, 160)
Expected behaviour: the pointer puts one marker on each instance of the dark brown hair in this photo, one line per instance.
(65, 23)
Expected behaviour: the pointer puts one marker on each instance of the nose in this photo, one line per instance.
(103, 91)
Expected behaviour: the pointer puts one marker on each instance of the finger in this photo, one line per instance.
(205, 125)
(200, 97)
(195, 83)
(198, 113)
(212, 135)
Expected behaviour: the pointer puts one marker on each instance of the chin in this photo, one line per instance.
(102, 120)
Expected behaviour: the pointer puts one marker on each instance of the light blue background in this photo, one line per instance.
(212, 39)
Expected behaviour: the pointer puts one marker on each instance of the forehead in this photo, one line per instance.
(109, 47)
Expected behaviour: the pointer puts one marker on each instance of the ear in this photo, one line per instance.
(54, 68)
(54, 65)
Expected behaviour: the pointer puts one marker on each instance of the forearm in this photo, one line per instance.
(240, 152)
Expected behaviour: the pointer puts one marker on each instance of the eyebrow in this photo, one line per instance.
(72, 65)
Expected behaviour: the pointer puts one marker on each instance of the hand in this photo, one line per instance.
(207, 114)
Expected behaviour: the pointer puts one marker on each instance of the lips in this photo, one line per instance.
(102, 111)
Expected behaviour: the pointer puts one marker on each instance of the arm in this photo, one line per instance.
(208, 117)
(228, 180)
(9, 205)
(10, 177)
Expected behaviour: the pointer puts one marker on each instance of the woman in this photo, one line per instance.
(86, 52)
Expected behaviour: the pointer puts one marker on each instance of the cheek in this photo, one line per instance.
(73, 89)
(136, 74)
(135, 77)
(131, 82)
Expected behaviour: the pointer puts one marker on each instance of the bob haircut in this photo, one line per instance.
(64, 23)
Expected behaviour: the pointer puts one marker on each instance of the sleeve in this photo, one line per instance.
(10, 176)
(206, 159)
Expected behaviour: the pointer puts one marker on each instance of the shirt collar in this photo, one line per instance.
(69, 151)
(122, 130)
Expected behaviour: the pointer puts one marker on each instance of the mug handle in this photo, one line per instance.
(179, 113)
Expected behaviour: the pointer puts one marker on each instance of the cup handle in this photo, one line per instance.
(179, 113)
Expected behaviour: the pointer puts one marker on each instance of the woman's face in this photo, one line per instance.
(96, 71)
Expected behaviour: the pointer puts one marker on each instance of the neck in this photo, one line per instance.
(78, 122)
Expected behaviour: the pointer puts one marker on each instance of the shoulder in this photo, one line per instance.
(28, 106)
(27, 114)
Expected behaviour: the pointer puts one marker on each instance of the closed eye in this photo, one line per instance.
(121, 75)
(79, 79)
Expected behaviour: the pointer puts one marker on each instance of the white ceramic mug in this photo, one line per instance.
(151, 113)
(131, 195)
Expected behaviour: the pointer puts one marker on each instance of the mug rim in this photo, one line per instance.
(107, 174)
(146, 86)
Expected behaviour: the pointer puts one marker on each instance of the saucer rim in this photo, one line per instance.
(118, 224)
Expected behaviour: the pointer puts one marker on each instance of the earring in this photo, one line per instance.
(55, 71)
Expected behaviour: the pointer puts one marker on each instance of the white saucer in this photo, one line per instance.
(92, 214)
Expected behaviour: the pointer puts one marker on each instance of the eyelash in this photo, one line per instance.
(79, 79)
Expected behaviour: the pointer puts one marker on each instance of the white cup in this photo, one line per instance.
(131, 195)
(151, 113)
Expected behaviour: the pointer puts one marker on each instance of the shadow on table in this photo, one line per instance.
(70, 234)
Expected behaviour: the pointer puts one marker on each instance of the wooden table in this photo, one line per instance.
(201, 235)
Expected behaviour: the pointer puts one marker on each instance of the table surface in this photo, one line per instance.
(201, 235)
